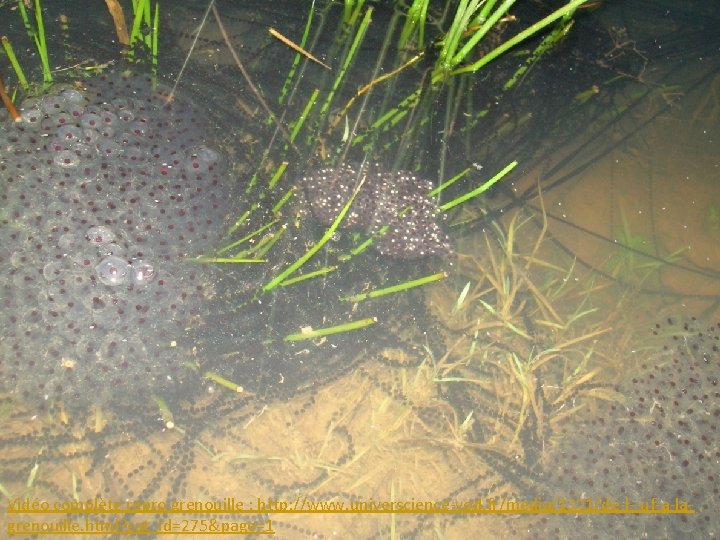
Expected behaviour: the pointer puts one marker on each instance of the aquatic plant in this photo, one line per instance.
(37, 34)
(405, 397)
(636, 261)
(711, 221)
(524, 337)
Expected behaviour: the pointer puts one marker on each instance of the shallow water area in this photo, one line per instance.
(566, 347)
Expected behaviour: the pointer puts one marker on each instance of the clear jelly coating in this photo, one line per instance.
(113, 271)
(141, 272)
(99, 235)
(102, 209)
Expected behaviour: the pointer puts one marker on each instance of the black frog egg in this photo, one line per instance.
(99, 235)
(53, 270)
(31, 117)
(202, 160)
(91, 121)
(52, 104)
(66, 159)
(69, 132)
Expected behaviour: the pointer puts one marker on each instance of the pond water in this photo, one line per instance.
(231, 290)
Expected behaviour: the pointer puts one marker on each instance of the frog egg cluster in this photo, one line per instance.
(662, 442)
(105, 190)
(397, 203)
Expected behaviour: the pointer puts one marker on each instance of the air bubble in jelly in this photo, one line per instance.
(111, 248)
(126, 115)
(69, 242)
(142, 272)
(113, 271)
(109, 148)
(202, 159)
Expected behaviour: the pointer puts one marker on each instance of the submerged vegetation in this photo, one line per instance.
(635, 262)
(462, 42)
(522, 337)
(490, 352)
(457, 41)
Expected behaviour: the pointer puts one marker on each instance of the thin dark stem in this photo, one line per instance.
(252, 86)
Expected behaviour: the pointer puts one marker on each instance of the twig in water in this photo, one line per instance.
(254, 88)
(8, 102)
(296, 47)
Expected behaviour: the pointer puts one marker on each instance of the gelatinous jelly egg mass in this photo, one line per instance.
(397, 200)
(104, 191)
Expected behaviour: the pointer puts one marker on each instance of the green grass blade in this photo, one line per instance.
(147, 38)
(449, 182)
(41, 44)
(506, 323)
(321, 332)
(14, 63)
(268, 242)
(352, 11)
(154, 46)
(396, 288)
(295, 128)
(414, 22)
(348, 60)
(298, 56)
(309, 275)
(239, 221)
(276, 178)
(277, 280)
(362, 247)
(25, 19)
(461, 298)
(393, 116)
(486, 9)
(475, 192)
(481, 33)
(545, 45)
(222, 381)
(246, 237)
(532, 29)
(283, 201)
(165, 412)
(450, 43)
(141, 12)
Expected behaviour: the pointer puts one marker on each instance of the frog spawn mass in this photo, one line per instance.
(395, 207)
(658, 446)
(106, 189)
